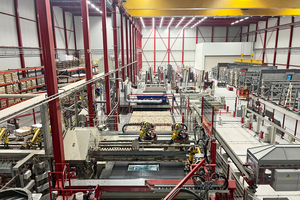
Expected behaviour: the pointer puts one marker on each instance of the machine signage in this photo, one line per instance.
(207, 125)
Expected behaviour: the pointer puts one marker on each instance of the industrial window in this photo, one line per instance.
(153, 167)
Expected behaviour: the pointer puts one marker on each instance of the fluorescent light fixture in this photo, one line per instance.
(153, 23)
(170, 23)
(98, 9)
(232, 23)
(205, 18)
(241, 20)
(89, 2)
(246, 17)
(179, 22)
(142, 22)
(161, 21)
(197, 23)
(189, 22)
(101, 11)
(93, 5)
(237, 21)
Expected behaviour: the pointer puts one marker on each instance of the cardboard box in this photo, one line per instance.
(2, 78)
(2, 90)
(15, 87)
(17, 100)
(7, 78)
(3, 103)
(28, 84)
(23, 131)
(8, 89)
(33, 82)
(23, 85)
(14, 76)
(11, 101)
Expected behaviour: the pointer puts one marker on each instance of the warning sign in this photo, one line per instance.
(288, 175)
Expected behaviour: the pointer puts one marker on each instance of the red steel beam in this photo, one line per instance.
(197, 35)
(169, 50)
(17, 16)
(256, 28)
(105, 53)
(74, 30)
(133, 53)
(182, 60)
(154, 29)
(276, 42)
(65, 32)
(87, 55)
(53, 28)
(265, 43)
(175, 191)
(51, 77)
(127, 46)
(130, 50)
(212, 34)
(38, 31)
(241, 32)
(122, 45)
(248, 34)
(290, 44)
(226, 39)
(115, 32)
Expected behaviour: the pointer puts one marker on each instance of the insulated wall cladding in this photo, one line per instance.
(9, 59)
(182, 46)
(286, 41)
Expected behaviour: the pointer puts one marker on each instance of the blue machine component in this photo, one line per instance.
(149, 97)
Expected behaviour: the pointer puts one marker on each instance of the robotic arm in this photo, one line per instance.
(192, 151)
(4, 136)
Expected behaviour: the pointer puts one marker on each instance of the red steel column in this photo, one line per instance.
(169, 50)
(256, 28)
(182, 60)
(140, 53)
(290, 44)
(133, 53)
(248, 34)
(226, 33)
(53, 30)
(87, 55)
(196, 34)
(154, 49)
(241, 31)
(127, 46)
(105, 53)
(130, 50)
(65, 32)
(122, 46)
(38, 31)
(115, 30)
(75, 44)
(212, 34)
(265, 43)
(50, 76)
(17, 16)
(283, 120)
(276, 42)
(295, 132)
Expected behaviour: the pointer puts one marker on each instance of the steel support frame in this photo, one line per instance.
(241, 32)
(133, 53)
(226, 34)
(256, 28)
(20, 41)
(51, 77)
(248, 33)
(88, 61)
(38, 31)
(182, 60)
(65, 33)
(115, 33)
(53, 29)
(130, 44)
(154, 32)
(127, 46)
(276, 42)
(197, 35)
(169, 50)
(265, 43)
(105, 56)
(122, 45)
(290, 44)
(212, 34)
(73, 21)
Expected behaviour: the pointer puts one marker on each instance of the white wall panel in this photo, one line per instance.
(8, 31)
(234, 33)
(251, 38)
(272, 22)
(295, 58)
(79, 34)
(285, 20)
(29, 33)
(60, 38)
(7, 6)
(296, 18)
(244, 30)
(58, 16)
(204, 34)
(281, 58)
(296, 38)
(10, 63)
(27, 9)
(283, 38)
(269, 57)
(220, 34)
(71, 42)
(32, 61)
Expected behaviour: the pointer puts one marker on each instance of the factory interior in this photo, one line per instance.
(149, 99)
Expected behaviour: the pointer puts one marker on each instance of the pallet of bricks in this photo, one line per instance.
(10, 88)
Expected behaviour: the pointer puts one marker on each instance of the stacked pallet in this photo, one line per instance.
(155, 117)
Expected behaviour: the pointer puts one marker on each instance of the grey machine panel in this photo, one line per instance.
(286, 180)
